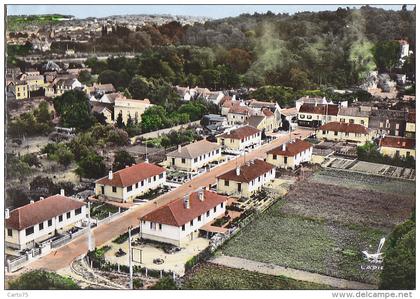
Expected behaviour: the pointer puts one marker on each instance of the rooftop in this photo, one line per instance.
(240, 133)
(353, 111)
(40, 211)
(327, 109)
(131, 175)
(248, 172)
(176, 214)
(398, 142)
(292, 148)
(194, 150)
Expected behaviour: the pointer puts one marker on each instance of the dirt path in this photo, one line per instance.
(240, 263)
(63, 256)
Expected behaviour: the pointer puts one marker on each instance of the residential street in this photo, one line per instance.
(63, 256)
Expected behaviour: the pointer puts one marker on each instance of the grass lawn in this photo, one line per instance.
(307, 244)
(101, 210)
(215, 277)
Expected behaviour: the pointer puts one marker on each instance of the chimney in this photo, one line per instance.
(201, 194)
(41, 198)
(187, 201)
(283, 147)
(6, 214)
(146, 160)
(62, 192)
(179, 148)
(238, 170)
(110, 176)
(31, 201)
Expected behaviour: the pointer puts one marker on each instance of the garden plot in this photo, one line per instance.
(348, 206)
(214, 277)
(362, 181)
(305, 244)
(372, 168)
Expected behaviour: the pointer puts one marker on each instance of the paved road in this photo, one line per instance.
(63, 256)
(240, 263)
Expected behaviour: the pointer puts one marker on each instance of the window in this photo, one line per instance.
(137, 185)
(397, 126)
(60, 218)
(68, 215)
(29, 231)
(49, 222)
(114, 189)
(381, 125)
(183, 160)
(221, 205)
(362, 122)
(407, 154)
(129, 188)
(160, 226)
(208, 213)
(335, 133)
(324, 132)
(309, 116)
(9, 232)
(274, 157)
(342, 120)
(199, 218)
(192, 222)
(161, 175)
(285, 160)
(351, 121)
(183, 227)
(78, 211)
(301, 116)
(41, 226)
(155, 178)
(226, 183)
(214, 210)
(142, 183)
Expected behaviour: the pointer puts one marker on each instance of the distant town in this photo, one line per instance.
(264, 151)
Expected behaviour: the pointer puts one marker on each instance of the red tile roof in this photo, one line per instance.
(176, 214)
(344, 127)
(319, 109)
(248, 172)
(267, 112)
(293, 148)
(40, 211)
(239, 109)
(240, 133)
(398, 142)
(131, 175)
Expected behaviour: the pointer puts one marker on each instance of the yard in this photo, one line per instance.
(323, 228)
(213, 277)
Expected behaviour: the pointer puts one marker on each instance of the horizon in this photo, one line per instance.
(213, 11)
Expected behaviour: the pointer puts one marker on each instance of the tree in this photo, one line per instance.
(139, 87)
(165, 283)
(399, 272)
(85, 77)
(91, 166)
(122, 159)
(387, 55)
(64, 156)
(120, 123)
(42, 280)
(73, 108)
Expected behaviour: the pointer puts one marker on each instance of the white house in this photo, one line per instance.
(38, 221)
(247, 179)
(291, 154)
(241, 138)
(128, 183)
(194, 155)
(179, 221)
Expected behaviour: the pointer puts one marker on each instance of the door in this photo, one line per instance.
(239, 187)
(173, 161)
(102, 189)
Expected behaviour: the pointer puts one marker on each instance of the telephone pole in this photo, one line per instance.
(130, 257)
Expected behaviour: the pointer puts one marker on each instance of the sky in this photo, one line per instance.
(212, 11)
